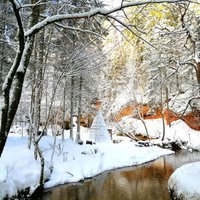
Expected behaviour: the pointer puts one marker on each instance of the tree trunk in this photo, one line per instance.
(33, 98)
(167, 102)
(79, 109)
(2, 44)
(39, 78)
(10, 103)
(196, 43)
(162, 109)
(64, 107)
(42, 162)
(72, 107)
(198, 73)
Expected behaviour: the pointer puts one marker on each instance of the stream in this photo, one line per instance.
(143, 182)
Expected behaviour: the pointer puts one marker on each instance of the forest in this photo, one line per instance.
(128, 68)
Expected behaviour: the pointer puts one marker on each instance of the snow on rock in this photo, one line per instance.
(184, 182)
(180, 131)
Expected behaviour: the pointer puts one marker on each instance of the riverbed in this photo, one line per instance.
(144, 182)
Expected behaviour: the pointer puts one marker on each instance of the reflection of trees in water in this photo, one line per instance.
(89, 190)
(147, 181)
(144, 182)
(183, 157)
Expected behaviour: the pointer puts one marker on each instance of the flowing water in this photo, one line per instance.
(144, 182)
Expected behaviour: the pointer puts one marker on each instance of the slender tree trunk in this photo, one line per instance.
(162, 110)
(197, 49)
(79, 109)
(198, 73)
(142, 120)
(72, 100)
(167, 101)
(72, 107)
(46, 100)
(42, 164)
(3, 135)
(64, 107)
(3, 5)
(39, 91)
(39, 78)
(55, 130)
(33, 98)
(195, 38)
(163, 123)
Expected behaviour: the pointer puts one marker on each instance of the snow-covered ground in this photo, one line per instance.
(179, 131)
(72, 162)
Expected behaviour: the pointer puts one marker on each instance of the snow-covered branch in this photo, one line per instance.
(127, 27)
(10, 76)
(98, 11)
(78, 29)
(39, 3)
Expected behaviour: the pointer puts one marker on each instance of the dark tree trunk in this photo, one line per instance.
(197, 49)
(40, 78)
(64, 107)
(198, 74)
(22, 59)
(2, 44)
(79, 109)
(72, 107)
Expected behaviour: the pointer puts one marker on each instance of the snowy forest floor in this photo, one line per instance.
(71, 162)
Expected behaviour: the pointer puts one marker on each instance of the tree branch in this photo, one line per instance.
(97, 11)
(127, 27)
(78, 29)
(39, 3)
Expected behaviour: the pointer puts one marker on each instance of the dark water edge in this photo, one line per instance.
(143, 182)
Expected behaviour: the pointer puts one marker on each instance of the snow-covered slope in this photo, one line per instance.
(179, 131)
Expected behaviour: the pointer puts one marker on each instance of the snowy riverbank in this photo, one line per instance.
(179, 132)
(184, 182)
(71, 162)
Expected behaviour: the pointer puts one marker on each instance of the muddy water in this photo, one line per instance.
(145, 182)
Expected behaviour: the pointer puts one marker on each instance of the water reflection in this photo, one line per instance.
(145, 182)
